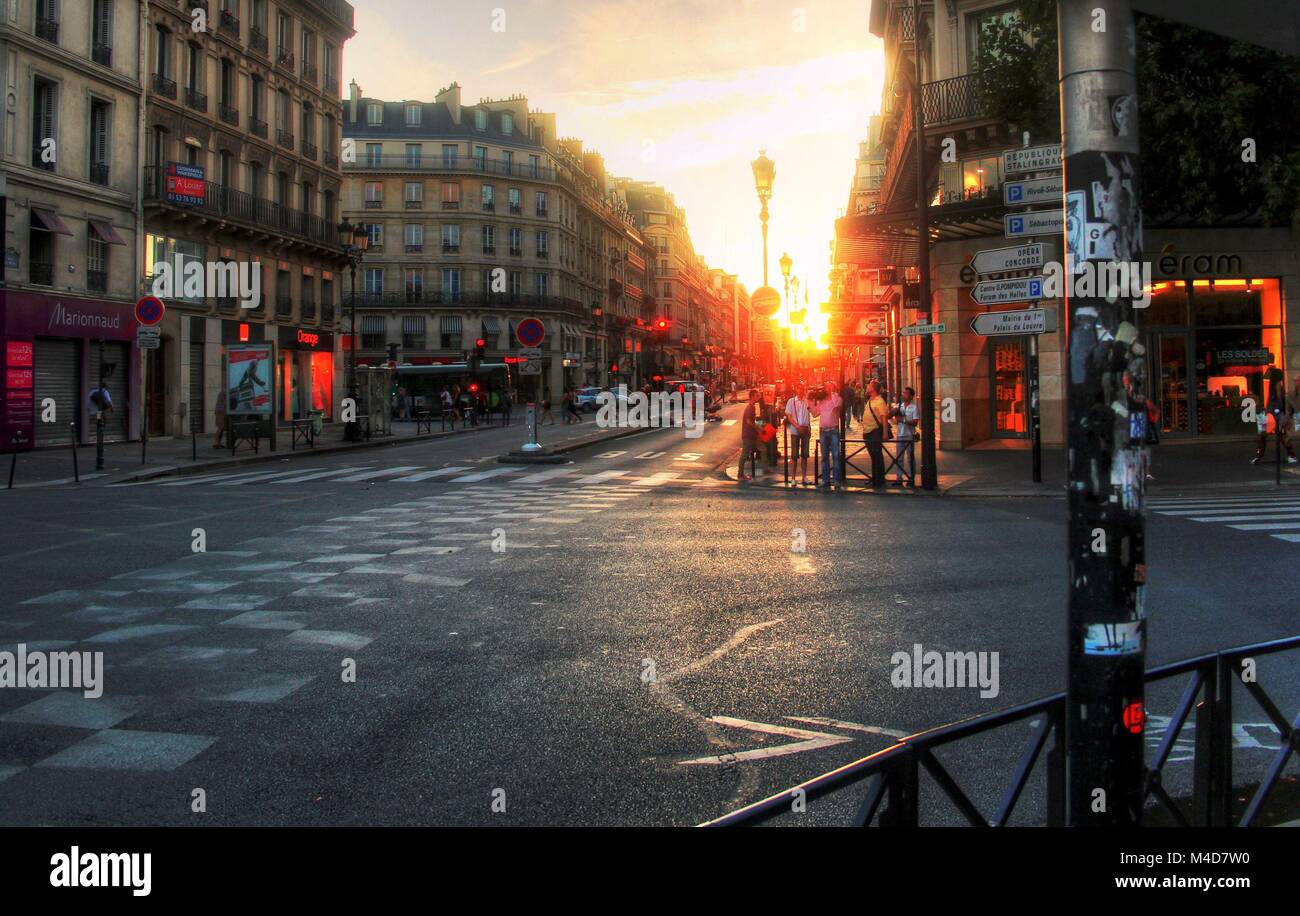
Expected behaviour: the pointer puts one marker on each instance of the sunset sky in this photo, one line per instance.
(680, 92)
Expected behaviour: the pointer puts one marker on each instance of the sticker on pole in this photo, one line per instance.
(530, 332)
(149, 310)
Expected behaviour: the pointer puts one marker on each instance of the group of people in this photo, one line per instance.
(879, 420)
(465, 407)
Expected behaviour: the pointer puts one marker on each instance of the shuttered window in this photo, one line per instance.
(57, 377)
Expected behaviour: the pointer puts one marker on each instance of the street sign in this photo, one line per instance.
(1002, 260)
(854, 340)
(1033, 191)
(917, 330)
(1021, 321)
(1001, 292)
(1031, 159)
(532, 367)
(530, 332)
(149, 310)
(530, 353)
(765, 301)
(1034, 222)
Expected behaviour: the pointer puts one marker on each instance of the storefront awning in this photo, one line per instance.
(890, 238)
(373, 324)
(450, 324)
(491, 324)
(413, 324)
(107, 233)
(49, 221)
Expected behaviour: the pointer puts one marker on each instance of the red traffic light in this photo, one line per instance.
(480, 343)
(473, 387)
(1134, 717)
(661, 325)
(656, 378)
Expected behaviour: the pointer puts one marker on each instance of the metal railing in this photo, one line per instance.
(953, 99)
(257, 127)
(164, 86)
(196, 99)
(102, 55)
(453, 164)
(893, 775)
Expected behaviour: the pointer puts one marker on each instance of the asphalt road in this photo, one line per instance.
(626, 639)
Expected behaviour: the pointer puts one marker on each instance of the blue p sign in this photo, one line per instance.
(1017, 224)
(1035, 289)
(1015, 192)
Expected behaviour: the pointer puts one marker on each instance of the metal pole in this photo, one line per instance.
(13, 466)
(144, 410)
(352, 429)
(929, 470)
(1106, 380)
(1035, 421)
(76, 472)
(99, 417)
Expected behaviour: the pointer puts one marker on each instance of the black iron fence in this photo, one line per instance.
(893, 783)
(955, 99)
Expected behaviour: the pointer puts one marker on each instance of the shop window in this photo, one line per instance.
(1168, 306)
(1009, 408)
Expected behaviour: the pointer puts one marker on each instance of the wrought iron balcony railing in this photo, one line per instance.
(48, 30)
(257, 41)
(228, 114)
(196, 100)
(164, 86)
(102, 55)
(257, 127)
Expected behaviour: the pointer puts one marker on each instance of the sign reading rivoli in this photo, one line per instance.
(1033, 191)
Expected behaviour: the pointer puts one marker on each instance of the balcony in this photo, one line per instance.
(257, 41)
(331, 85)
(102, 55)
(374, 205)
(283, 306)
(38, 160)
(257, 128)
(307, 309)
(543, 254)
(309, 72)
(468, 164)
(196, 100)
(415, 205)
(284, 58)
(415, 248)
(245, 210)
(517, 209)
(489, 249)
(516, 252)
(97, 281)
(489, 207)
(327, 313)
(309, 151)
(951, 100)
(99, 173)
(229, 23)
(48, 30)
(228, 115)
(42, 273)
(387, 300)
(542, 211)
(284, 138)
(164, 86)
(451, 205)
(331, 160)
(450, 248)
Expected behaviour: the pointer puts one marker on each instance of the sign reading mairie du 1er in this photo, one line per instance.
(1022, 321)
(1034, 222)
(1031, 159)
(1005, 260)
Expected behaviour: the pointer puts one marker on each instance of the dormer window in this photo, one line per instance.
(374, 113)
(480, 120)
(507, 123)
(412, 115)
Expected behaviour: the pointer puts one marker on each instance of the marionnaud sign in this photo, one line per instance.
(1005, 260)
(1021, 321)
(1001, 292)
(1031, 159)
(1034, 191)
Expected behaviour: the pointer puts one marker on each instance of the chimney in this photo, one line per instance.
(451, 98)
(354, 96)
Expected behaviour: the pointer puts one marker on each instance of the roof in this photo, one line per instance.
(435, 124)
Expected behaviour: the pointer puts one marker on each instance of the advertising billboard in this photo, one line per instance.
(249, 374)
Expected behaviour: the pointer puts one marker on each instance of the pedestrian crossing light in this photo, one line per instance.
(613, 368)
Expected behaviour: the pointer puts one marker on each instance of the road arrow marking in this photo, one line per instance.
(809, 741)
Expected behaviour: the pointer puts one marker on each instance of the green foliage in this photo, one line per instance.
(1200, 96)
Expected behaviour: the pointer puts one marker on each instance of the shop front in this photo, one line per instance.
(55, 350)
(305, 374)
(1213, 346)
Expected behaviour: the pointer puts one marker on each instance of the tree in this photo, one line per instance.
(1201, 96)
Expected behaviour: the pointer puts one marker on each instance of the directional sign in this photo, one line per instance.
(1000, 292)
(1002, 260)
(530, 332)
(532, 367)
(530, 353)
(1033, 191)
(918, 330)
(1031, 159)
(1022, 321)
(149, 310)
(1034, 222)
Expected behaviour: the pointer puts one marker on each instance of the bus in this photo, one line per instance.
(424, 384)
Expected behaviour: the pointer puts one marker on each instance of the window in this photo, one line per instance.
(413, 154)
(542, 247)
(450, 238)
(451, 293)
(450, 195)
(308, 46)
(414, 238)
(328, 133)
(412, 115)
(100, 120)
(375, 231)
(413, 326)
(162, 45)
(227, 87)
(975, 25)
(541, 203)
(489, 239)
(543, 284)
(257, 103)
(970, 178)
(534, 164)
(414, 195)
(256, 186)
(507, 123)
(259, 15)
(516, 241)
(47, 20)
(374, 195)
(489, 197)
(516, 283)
(414, 280)
(374, 331)
(480, 120)
(374, 114)
(226, 169)
(283, 35)
(508, 161)
(101, 35)
(374, 281)
(45, 123)
(331, 67)
(308, 126)
(516, 198)
(374, 154)
(96, 263)
(327, 203)
(283, 109)
(480, 158)
(308, 198)
(283, 293)
(449, 155)
(194, 68)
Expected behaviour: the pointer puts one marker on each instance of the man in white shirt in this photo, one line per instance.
(798, 420)
(909, 418)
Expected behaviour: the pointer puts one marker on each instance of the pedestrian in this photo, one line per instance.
(850, 405)
(875, 428)
(402, 408)
(749, 436)
(733, 392)
(1281, 413)
(507, 406)
(829, 407)
(798, 420)
(909, 419)
(571, 407)
(456, 415)
(767, 434)
(219, 411)
(101, 402)
(546, 411)
(448, 405)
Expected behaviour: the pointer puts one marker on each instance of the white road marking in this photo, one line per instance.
(659, 479)
(649, 456)
(543, 475)
(849, 726)
(610, 454)
(810, 741)
(1248, 518)
(603, 475)
(1272, 505)
(484, 475)
(257, 478)
(1271, 526)
(372, 475)
(428, 475)
(728, 422)
(318, 475)
(207, 478)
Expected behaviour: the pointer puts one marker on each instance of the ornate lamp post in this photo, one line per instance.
(764, 175)
(355, 240)
(786, 263)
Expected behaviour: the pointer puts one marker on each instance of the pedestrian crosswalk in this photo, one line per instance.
(1277, 515)
(462, 475)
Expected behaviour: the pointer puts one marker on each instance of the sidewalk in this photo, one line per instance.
(1005, 469)
(122, 460)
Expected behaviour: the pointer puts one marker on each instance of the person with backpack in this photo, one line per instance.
(875, 429)
(1280, 412)
(909, 420)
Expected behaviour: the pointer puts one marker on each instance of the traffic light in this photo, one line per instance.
(613, 368)
(392, 354)
(473, 387)
(480, 348)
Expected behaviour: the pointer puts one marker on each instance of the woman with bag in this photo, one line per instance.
(875, 429)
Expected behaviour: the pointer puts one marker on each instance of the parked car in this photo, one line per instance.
(587, 399)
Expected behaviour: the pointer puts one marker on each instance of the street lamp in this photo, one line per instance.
(764, 175)
(355, 239)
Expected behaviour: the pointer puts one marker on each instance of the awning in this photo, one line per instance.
(50, 221)
(373, 324)
(413, 324)
(450, 324)
(107, 233)
(890, 238)
(491, 324)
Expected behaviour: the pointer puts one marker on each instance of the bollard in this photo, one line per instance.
(1277, 447)
(13, 466)
(194, 444)
(76, 473)
(99, 441)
